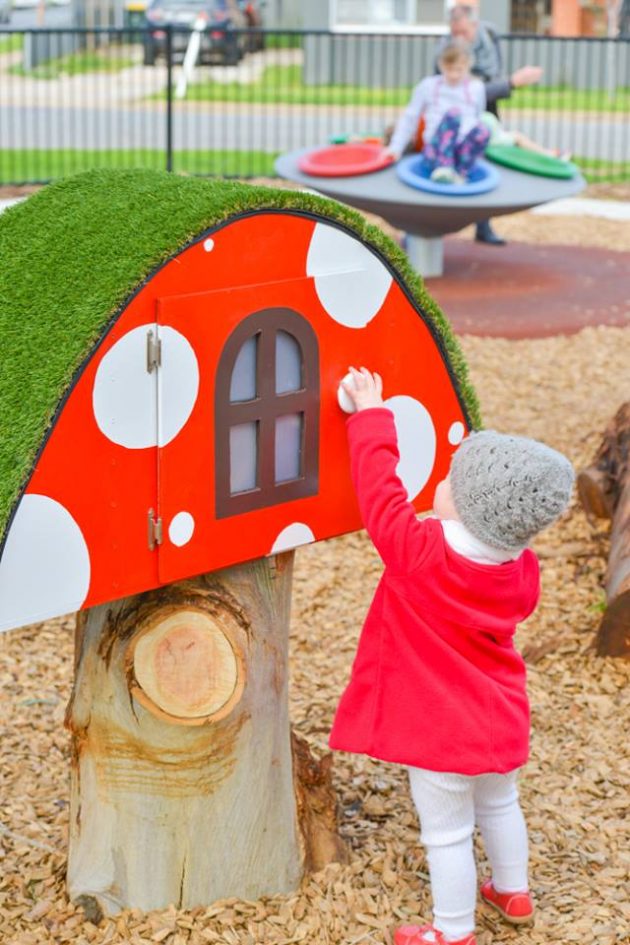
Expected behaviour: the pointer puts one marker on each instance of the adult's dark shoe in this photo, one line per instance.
(485, 234)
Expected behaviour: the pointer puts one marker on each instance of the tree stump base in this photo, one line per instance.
(184, 789)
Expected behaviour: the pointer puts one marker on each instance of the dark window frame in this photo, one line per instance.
(264, 409)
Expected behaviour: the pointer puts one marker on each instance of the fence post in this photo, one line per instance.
(169, 98)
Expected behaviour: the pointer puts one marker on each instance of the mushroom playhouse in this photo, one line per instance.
(171, 354)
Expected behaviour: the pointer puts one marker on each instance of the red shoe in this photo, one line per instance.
(516, 908)
(427, 935)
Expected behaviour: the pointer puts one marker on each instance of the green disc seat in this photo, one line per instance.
(530, 162)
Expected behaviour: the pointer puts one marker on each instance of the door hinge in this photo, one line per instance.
(154, 352)
(154, 530)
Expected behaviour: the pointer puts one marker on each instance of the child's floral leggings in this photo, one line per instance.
(444, 150)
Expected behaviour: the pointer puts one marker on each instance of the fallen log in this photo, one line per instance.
(604, 491)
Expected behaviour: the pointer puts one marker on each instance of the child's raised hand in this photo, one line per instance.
(364, 389)
(389, 154)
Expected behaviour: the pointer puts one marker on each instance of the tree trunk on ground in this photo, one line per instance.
(604, 490)
(182, 778)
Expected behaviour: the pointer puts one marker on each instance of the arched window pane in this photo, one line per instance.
(243, 384)
(243, 457)
(288, 363)
(266, 413)
(288, 447)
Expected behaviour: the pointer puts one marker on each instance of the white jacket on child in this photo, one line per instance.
(431, 99)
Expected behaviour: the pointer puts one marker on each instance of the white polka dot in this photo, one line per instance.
(181, 529)
(125, 396)
(416, 442)
(208, 245)
(45, 567)
(456, 433)
(351, 282)
(178, 384)
(292, 536)
(343, 399)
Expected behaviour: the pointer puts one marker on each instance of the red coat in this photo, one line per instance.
(436, 681)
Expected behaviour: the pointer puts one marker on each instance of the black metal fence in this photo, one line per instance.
(72, 100)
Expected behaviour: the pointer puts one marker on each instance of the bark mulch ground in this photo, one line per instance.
(575, 788)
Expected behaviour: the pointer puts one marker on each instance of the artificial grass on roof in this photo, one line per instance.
(74, 252)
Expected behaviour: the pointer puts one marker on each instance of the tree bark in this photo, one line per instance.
(317, 807)
(182, 778)
(604, 489)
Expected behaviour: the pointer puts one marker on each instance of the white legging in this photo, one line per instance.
(449, 806)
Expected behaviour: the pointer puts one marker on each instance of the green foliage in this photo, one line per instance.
(599, 606)
(73, 254)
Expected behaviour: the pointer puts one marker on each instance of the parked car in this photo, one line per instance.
(5, 11)
(225, 35)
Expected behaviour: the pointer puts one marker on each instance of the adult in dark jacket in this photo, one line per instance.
(488, 65)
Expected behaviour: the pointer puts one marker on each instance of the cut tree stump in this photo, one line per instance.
(183, 785)
(604, 490)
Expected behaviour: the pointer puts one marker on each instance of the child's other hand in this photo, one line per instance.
(526, 75)
(365, 390)
(389, 154)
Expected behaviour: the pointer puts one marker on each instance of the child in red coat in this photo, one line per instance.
(437, 684)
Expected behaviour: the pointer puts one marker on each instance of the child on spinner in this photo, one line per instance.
(451, 104)
(437, 684)
(500, 136)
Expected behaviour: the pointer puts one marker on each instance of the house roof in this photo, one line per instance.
(73, 255)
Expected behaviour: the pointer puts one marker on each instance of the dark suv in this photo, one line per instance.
(225, 35)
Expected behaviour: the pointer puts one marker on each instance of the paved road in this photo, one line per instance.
(269, 129)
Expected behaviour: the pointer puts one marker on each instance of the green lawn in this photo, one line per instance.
(11, 43)
(76, 64)
(603, 172)
(283, 41)
(284, 85)
(566, 99)
(22, 166)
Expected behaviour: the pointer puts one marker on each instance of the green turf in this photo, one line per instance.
(73, 253)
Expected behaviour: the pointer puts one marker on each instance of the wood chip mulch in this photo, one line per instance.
(574, 789)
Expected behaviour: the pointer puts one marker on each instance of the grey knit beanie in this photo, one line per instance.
(507, 488)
